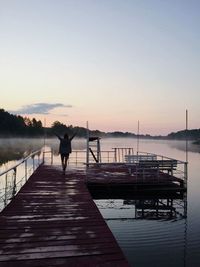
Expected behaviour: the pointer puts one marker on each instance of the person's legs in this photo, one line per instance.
(64, 159)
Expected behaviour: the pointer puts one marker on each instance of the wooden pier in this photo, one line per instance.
(53, 221)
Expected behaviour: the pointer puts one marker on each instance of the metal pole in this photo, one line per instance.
(51, 156)
(138, 133)
(44, 133)
(14, 182)
(98, 150)
(6, 188)
(186, 134)
(26, 172)
(33, 157)
(43, 157)
(87, 151)
(186, 148)
(115, 149)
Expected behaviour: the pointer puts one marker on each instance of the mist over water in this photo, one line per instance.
(18, 148)
(15, 149)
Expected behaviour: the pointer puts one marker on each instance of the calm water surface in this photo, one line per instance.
(166, 239)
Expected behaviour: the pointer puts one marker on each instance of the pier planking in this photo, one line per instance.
(53, 221)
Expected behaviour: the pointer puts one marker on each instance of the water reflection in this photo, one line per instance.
(158, 209)
(183, 146)
(8, 192)
(153, 206)
(15, 177)
(149, 228)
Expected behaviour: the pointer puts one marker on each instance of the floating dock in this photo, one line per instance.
(133, 178)
(53, 221)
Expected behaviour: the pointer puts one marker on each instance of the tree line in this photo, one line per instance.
(16, 125)
(193, 134)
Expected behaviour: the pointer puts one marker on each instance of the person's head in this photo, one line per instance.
(66, 136)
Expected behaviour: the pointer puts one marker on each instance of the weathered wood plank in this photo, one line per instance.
(53, 221)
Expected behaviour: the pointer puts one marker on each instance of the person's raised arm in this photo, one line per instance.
(73, 135)
(58, 136)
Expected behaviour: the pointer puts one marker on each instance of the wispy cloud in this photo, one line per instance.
(39, 108)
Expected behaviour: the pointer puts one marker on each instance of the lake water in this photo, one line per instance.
(148, 237)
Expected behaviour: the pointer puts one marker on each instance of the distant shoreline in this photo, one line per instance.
(13, 126)
(196, 142)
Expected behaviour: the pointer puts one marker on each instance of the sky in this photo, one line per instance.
(109, 62)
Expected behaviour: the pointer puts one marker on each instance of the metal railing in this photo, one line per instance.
(45, 158)
(180, 171)
(12, 179)
(107, 156)
(120, 155)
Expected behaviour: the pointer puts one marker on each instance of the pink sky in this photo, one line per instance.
(111, 63)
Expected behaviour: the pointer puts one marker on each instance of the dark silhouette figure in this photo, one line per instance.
(65, 149)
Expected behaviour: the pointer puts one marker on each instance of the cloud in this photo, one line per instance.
(39, 108)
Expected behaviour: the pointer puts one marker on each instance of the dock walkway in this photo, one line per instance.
(53, 221)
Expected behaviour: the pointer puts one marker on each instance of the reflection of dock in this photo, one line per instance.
(156, 209)
(53, 221)
(148, 205)
(151, 184)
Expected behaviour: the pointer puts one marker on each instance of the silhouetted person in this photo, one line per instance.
(65, 149)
